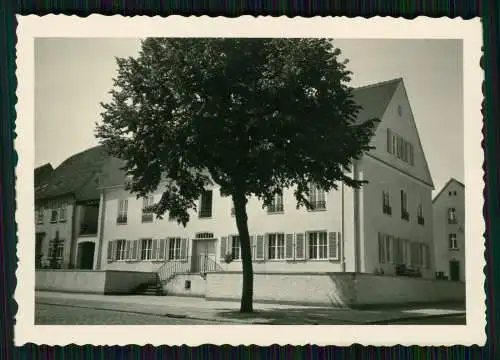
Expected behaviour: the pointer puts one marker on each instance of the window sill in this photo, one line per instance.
(204, 217)
(316, 210)
(88, 235)
(146, 221)
(454, 249)
(53, 222)
(275, 212)
(121, 223)
(62, 221)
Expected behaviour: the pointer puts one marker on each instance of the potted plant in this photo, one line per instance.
(228, 258)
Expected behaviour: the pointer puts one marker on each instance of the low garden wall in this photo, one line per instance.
(91, 282)
(332, 289)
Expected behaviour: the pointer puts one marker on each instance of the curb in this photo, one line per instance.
(169, 315)
(436, 316)
(308, 321)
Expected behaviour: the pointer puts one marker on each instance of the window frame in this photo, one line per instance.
(146, 250)
(147, 216)
(54, 215)
(452, 241)
(452, 215)
(235, 239)
(318, 247)
(203, 213)
(276, 242)
(277, 205)
(121, 253)
(317, 198)
(122, 212)
(174, 249)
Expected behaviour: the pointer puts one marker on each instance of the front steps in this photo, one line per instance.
(150, 289)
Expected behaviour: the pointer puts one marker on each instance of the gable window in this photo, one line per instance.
(146, 249)
(236, 247)
(62, 214)
(39, 216)
(452, 241)
(317, 198)
(121, 250)
(147, 214)
(452, 216)
(174, 249)
(122, 211)
(399, 147)
(420, 214)
(277, 204)
(318, 245)
(386, 206)
(206, 204)
(404, 206)
(276, 246)
(53, 215)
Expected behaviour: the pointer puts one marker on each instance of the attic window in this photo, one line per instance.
(400, 110)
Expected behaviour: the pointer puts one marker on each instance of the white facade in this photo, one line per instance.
(449, 236)
(353, 233)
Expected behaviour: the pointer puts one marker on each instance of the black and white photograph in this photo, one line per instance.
(307, 176)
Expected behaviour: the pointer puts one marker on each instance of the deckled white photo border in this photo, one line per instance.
(30, 27)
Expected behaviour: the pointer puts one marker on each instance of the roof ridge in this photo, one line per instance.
(380, 83)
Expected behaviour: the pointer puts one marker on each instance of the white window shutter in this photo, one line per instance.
(300, 247)
(139, 249)
(223, 243)
(110, 251)
(229, 244)
(266, 246)
(161, 249)
(289, 246)
(184, 249)
(332, 246)
(389, 140)
(259, 253)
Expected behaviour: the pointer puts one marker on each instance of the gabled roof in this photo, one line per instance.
(42, 173)
(374, 99)
(74, 174)
(452, 180)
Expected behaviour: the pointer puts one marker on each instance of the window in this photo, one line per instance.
(53, 215)
(122, 211)
(121, 250)
(206, 204)
(404, 206)
(62, 214)
(318, 245)
(454, 193)
(146, 249)
(147, 214)
(236, 247)
(317, 198)
(399, 147)
(381, 248)
(400, 110)
(386, 206)
(420, 214)
(174, 249)
(452, 216)
(56, 252)
(452, 238)
(276, 246)
(39, 216)
(277, 205)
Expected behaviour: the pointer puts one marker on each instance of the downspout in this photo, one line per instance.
(342, 231)
(74, 236)
(100, 227)
(357, 254)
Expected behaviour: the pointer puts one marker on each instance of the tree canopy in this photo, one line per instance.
(254, 116)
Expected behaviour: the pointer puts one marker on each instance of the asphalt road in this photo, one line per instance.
(68, 315)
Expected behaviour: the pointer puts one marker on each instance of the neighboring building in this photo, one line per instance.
(66, 211)
(449, 235)
(42, 174)
(386, 223)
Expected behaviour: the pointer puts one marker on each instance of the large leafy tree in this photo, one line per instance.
(254, 116)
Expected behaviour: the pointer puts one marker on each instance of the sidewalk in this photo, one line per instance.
(227, 311)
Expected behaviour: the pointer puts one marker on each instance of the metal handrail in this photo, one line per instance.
(172, 267)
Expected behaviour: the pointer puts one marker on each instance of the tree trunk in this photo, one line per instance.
(240, 201)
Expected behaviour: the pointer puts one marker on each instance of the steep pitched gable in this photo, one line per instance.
(75, 174)
(42, 174)
(446, 186)
(396, 139)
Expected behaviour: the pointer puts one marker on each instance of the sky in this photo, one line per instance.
(74, 75)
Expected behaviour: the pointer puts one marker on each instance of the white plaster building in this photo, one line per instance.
(386, 223)
(449, 236)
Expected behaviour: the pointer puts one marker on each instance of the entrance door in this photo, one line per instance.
(454, 270)
(203, 255)
(86, 255)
